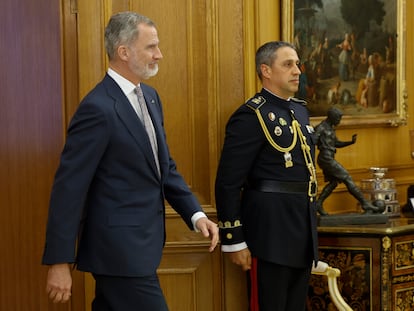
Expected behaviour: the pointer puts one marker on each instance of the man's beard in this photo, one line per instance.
(148, 72)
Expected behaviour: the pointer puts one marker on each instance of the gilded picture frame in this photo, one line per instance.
(352, 56)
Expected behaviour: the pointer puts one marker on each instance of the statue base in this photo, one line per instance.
(352, 219)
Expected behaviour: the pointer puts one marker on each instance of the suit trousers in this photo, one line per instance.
(274, 287)
(114, 293)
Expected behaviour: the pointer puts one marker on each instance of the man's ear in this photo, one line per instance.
(123, 52)
(266, 70)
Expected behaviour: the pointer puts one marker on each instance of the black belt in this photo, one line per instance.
(266, 185)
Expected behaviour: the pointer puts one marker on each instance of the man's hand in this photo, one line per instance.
(242, 258)
(59, 283)
(209, 229)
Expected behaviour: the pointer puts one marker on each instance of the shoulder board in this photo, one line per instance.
(256, 102)
(299, 101)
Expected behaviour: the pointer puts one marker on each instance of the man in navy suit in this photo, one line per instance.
(107, 212)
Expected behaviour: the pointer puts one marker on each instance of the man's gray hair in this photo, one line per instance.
(122, 30)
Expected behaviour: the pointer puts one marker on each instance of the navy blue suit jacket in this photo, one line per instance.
(107, 211)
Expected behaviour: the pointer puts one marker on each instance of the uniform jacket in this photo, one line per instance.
(107, 203)
(277, 227)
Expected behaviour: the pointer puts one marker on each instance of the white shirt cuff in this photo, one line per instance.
(234, 247)
(195, 218)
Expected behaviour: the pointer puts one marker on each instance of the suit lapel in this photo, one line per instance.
(131, 121)
(156, 117)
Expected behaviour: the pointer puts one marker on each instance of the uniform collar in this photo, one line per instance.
(268, 93)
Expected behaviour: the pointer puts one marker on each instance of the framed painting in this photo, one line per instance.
(352, 56)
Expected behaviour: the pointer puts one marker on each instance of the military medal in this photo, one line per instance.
(278, 131)
(288, 159)
(282, 121)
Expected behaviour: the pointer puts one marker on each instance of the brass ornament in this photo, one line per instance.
(282, 121)
(278, 131)
(288, 159)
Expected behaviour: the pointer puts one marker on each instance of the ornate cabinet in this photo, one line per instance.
(376, 263)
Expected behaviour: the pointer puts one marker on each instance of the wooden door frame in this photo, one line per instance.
(70, 90)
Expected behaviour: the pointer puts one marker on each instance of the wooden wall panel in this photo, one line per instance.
(188, 275)
(235, 287)
(182, 82)
(90, 43)
(231, 72)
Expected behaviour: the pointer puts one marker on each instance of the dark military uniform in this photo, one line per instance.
(262, 193)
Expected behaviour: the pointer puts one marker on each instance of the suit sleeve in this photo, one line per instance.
(179, 195)
(86, 141)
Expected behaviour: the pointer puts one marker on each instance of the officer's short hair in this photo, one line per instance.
(266, 54)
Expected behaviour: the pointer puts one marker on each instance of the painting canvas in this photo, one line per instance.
(351, 55)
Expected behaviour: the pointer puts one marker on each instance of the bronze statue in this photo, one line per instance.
(334, 173)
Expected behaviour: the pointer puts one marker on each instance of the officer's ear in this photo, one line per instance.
(266, 70)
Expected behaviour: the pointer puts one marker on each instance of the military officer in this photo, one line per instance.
(266, 185)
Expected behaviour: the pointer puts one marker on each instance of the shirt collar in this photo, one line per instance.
(126, 86)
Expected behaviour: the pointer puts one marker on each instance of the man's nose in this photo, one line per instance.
(158, 54)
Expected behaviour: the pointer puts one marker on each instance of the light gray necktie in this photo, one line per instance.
(148, 125)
